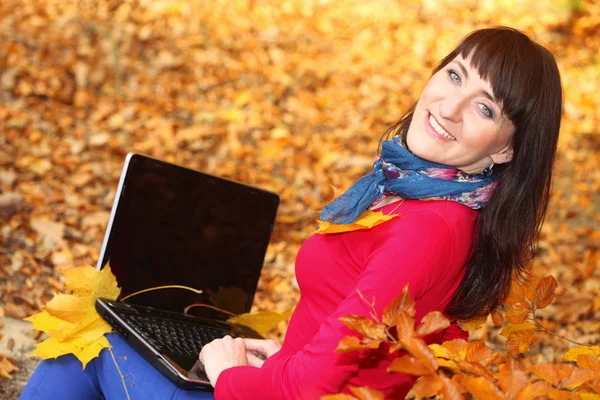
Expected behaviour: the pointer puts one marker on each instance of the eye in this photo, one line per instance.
(486, 111)
(454, 76)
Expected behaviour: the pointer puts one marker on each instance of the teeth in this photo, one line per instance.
(439, 129)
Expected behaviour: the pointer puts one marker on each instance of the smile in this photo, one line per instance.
(438, 128)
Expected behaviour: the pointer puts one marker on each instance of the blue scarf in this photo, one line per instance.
(399, 172)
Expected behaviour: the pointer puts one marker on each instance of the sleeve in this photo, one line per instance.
(417, 252)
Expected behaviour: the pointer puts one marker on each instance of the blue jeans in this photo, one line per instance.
(63, 378)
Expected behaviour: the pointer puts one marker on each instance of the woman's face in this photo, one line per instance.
(458, 122)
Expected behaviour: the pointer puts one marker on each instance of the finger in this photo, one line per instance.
(254, 361)
(255, 344)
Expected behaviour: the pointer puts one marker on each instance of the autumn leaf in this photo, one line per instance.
(366, 393)
(365, 327)
(472, 324)
(401, 304)
(340, 396)
(71, 320)
(410, 365)
(574, 353)
(577, 378)
(548, 372)
(261, 321)
(352, 343)
(452, 390)
(518, 312)
(497, 318)
(519, 341)
(457, 348)
(7, 366)
(510, 328)
(481, 388)
(427, 386)
(534, 390)
(512, 379)
(405, 326)
(587, 361)
(477, 351)
(544, 292)
(367, 220)
(432, 322)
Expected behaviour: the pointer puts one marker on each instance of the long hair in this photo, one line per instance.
(525, 78)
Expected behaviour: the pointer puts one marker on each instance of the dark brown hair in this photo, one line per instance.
(525, 78)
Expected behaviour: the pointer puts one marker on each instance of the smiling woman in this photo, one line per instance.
(468, 169)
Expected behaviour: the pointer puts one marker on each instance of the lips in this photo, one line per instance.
(436, 130)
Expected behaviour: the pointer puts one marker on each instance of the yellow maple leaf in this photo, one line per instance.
(366, 220)
(573, 353)
(262, 321)
(71, 320)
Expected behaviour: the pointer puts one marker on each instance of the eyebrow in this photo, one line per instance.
(484, 92)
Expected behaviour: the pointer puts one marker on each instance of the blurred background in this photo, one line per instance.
(288, 95)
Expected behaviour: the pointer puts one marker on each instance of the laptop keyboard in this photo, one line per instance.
(173, 337)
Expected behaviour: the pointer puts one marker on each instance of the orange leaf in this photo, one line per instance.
(340, 396)
(482, 388)
(427, 386)
(519, 341)
(518, 312)
(472, 324)
(452, 389)
(366, 393)
(365, 326)
(516, 293)
(512, 379)
(534, 391)
(401, 304)
(497, 318)
(556, 394)
(432, 322)
(590, 362)
(544, 292)
(419, 349)
(477, 351)
(457, 348)
(548, 372)
(352, 343)
(577, 378)
(410, 365)
(405, 326)
(475, 368)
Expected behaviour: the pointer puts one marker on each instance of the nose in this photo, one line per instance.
(451, 107)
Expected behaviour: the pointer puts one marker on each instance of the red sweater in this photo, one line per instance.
(425, 247)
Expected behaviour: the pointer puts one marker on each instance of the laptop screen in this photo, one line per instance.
(175, 226)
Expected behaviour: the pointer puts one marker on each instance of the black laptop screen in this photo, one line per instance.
(175, 226)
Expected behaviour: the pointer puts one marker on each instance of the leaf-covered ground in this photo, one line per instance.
(289, 95)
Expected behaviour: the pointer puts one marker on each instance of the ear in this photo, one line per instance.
(503, 156)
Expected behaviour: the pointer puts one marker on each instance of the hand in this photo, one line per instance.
(258, 350)
(221, 354)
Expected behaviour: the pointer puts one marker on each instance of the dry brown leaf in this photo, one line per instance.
(410, 365)
(365, 327)
(401, 304)
(427, 386)
(544, 292)
(366, 393)
(432, 322)
(352, 343)
(512, 379)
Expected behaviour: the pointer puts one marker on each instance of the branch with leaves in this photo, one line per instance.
(458, 369)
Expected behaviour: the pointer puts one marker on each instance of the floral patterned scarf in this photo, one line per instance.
(399, 172)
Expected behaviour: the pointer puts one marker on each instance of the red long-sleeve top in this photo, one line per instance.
(425, 247)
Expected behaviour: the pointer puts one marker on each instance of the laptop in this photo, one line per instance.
(171, 225)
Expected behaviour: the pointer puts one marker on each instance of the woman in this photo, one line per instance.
(468, 171)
